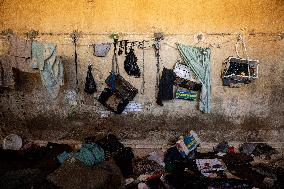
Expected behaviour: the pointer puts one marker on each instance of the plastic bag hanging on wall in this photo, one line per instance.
(130, 64)
(182, 71)
(101, 50)
(90, 85)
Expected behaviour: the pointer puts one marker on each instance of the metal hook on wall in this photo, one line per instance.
(32, 34)
(7, 33)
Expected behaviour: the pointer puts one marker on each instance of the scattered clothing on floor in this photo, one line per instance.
(123, 160)
(247, 148)
(89, 154)
(110, 144)
(264, 149)
(25, 178)
(171, 157)
(51, 67)
(76, 175)
(222, 147)
(184, 180)
(165, 86)
(101, 50)
(122, 155)
(198, 60)
(209, 167)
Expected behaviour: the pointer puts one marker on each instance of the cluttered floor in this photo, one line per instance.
(103, 162)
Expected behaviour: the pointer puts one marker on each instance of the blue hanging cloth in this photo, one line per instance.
(198, 60)
(51, 68)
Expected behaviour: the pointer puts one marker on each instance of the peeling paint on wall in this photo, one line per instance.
(252, 109)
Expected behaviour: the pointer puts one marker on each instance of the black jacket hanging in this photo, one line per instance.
(165, 86)
(130, 64)
(90, 85)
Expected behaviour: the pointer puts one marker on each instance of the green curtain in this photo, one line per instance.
(50, 65)
(198, 60)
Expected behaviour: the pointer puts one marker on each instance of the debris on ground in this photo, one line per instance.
(104, 162)
(143, 165)
(187, 144)
(76, 175)
(247, 148)
(12, 142)
(156, 157)
(264, 150)
(210, 167)
(222, 147)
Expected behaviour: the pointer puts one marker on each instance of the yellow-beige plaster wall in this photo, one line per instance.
(253, 112)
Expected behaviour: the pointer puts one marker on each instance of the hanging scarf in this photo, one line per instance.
(198, 60)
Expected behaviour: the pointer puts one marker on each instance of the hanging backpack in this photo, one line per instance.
(119, 91)
(112, 101)
(238, 71)
(130, 64)
(90, 85)
(120, 86)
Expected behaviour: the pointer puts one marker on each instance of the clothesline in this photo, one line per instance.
(147, 34)
(216, 44)
(211, 45)
(167, 34)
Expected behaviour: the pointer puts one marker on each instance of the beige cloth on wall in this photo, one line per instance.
(20, 54)
(6, 72)
(19, 57)
(20, 47)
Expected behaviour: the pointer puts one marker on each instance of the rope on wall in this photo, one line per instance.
(147, 46)
(170, 34)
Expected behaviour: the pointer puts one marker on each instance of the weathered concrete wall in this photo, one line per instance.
(181, 16)
(253, 112)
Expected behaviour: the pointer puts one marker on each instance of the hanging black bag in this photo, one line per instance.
(90, 85)
(112, 101)
(130, 64)
(122, 87)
